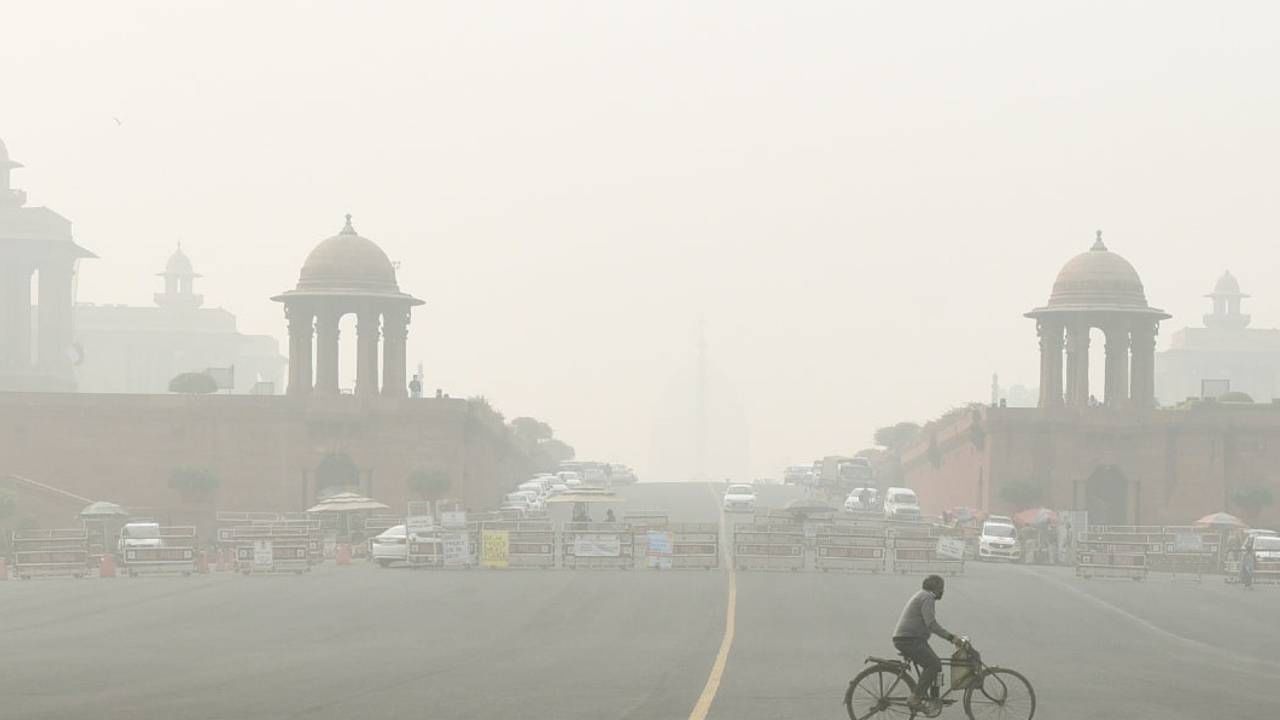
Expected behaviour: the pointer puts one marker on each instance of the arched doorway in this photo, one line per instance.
(1107, 496)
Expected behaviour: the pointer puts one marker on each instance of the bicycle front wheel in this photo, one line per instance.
(880, 692)
(1000, 693)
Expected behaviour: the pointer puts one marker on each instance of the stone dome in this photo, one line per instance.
(179, 264)
(1227, 285)
(5, 162)
(1098, 277)
(348, 261)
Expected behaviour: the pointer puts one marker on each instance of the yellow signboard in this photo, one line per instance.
(495, 546)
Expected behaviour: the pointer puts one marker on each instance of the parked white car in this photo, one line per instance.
(901, 504)
(570, 478)
(998, 541)
(1265, 547)
(534, 486)
(390, 546)
(740, 498)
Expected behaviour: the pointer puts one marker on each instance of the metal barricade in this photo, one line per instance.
(1112, 559)
(175, 554)
(591, 545)
(914, 553)
(425, 550)
(842, 546)
(529, 544)
(695, 546)
(50, 553)
(267, 549)
(772, 546)
(1266, 572)
(1185, 552)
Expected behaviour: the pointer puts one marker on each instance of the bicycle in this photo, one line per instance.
(883, 688)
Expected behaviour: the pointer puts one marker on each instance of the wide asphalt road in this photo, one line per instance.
(360, 642)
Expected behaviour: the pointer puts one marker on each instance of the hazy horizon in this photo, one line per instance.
(860, 200)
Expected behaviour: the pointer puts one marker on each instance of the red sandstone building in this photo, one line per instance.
(1122, 458)
(59, 449)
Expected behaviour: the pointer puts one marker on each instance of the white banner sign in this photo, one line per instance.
(456, 553)
(950, 548)
(454, 518)
(597, 545)
(262, 553)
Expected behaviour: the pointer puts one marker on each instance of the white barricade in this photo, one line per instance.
(772, 546)
(850, 547)
(530, 544)
(174, 555)
(1101, 555)
(266, 549)
(914, 554)
(591, 545)
(50, 553)
(695, 545)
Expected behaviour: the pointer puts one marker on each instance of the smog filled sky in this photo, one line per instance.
(858, 199)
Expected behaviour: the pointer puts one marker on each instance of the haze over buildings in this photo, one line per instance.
(859, 199)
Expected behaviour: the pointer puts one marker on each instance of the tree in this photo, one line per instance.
(1022, 494)
(193, 483)
(1252, 500)
(336, 471)
(531, 429)
(551, 453)
(897, 438)
(429, 484)
(193, 383)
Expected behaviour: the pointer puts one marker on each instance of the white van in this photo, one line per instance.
(901, 504)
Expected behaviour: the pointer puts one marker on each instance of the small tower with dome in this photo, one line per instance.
(1226, 297)
(179, 283)
(1097, 289)
(347, 275)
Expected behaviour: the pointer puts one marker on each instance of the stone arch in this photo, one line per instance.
(1107, 496)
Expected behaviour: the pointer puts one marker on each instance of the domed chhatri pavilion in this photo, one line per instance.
(1098, 289)
(347, 274)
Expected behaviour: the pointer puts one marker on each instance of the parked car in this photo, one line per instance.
(740, 498)
(901, 504)
(535, 486)
(570, 478)
(390, 546)
(998, 541)
(1265, 547)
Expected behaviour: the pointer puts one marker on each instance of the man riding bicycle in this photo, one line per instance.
(911, 638)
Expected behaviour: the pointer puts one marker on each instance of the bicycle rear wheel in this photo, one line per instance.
(1000, 694)
(880, 692)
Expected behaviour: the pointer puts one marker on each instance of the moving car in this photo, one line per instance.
(901, 504)
(740, 498)
(998, 541)
(854, 501)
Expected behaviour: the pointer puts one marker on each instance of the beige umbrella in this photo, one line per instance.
(347, 502)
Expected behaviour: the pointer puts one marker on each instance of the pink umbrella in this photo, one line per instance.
(1035, 516)
(1221, 521)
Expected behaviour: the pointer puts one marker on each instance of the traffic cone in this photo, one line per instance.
(107, 568)
(202, 563)
(4, 568)
(343, 555)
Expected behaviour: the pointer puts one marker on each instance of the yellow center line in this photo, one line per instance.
(703, 706)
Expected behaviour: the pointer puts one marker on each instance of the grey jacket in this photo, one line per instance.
(918, 620)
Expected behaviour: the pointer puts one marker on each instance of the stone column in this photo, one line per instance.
(327, 351)
(367, 332)
(1050, 331)
(54, 321)
(1078, 364)
(15, 317)
(395, 330)
(1117, 380)
(301, 331)
(1142, 393)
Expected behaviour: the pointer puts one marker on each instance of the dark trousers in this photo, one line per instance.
(918, 651)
